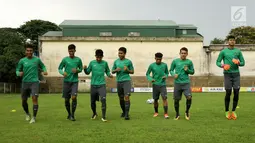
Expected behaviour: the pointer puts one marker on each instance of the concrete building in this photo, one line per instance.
(142, 38)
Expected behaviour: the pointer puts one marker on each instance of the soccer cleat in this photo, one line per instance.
(155, 115)
(177, 117)
(234, 115)
(127, 117)
(187, 117)
(228, 115)
(94, 116)
(166, 116)
(68, 117)
(32, 120)
(72, 118)
(28, 117)
(122, 115)
(103, 119)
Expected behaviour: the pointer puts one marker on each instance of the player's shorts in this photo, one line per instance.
(232, 80)
(97, 91)
(124, 88)
(180, 88)
(70, 89)
(29, 88)
(158, 90)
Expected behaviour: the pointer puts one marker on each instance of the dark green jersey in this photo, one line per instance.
(123, 75)
(30, 69)
(177, 67)
(68, 64)
(227, 55)
(158, 72)
(98, 70)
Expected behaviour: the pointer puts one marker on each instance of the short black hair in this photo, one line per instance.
(158, 55)
(28, 45)
(231, 37)
(71, 46)
(123, 49)
(99, 52)
(184, 49)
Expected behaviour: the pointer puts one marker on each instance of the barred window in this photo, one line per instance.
(105, 34)
(136, 34)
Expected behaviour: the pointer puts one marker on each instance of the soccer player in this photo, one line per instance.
(123, 67)
(180, 69)
(159, 74)
(232, 58)
(72, 66)
(28, 69)
(98, 68)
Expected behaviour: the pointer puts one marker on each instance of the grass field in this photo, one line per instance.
(207, 124)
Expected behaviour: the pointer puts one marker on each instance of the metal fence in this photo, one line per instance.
(8, 87)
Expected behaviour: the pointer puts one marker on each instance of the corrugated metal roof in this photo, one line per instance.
(118, 23)
(53, 34)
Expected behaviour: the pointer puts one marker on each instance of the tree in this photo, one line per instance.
(217, 41)
(244, 34)
(34, 28)
(11, 50)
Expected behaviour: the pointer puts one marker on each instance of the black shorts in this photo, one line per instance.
(29, 88)
(124, 88)
(232, 80)
(181, 88)
(97, 91)
(70, 89)
(158, 90)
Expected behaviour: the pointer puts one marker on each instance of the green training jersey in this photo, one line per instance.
(30, 68)
(122, 75)
(98, 70)
(68, 64)
(227, 55)
(177, 67)
(158, 72)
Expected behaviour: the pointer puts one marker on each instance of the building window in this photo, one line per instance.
(135, 34)
(184, 32)
(105, 34)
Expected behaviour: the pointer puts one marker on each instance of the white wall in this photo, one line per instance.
(141, 54)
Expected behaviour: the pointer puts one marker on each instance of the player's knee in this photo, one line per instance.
(164, 98)
(189, 97)
(103, 99)
(126, 98)
(74, 98)
(176, 101)
(228, 92)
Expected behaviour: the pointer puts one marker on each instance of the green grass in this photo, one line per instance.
(207, 124)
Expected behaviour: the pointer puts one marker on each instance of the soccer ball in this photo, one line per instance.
(150, 101)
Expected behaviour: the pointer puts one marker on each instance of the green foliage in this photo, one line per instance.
(244, 34)
(35, 28)
(11, 50)
(217, 41)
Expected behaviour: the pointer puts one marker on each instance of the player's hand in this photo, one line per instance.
(110, 76)
(153, 80)
(21, 74)
(176, 76)
(125, 68)
(226, 67)
(65, 74)
(44, 73)
(74, 70)
(85, 67)
(164, 77)
(117, 69)
(185, 68)
(236, 61)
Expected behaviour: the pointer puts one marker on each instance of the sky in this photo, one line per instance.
(211, 17)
